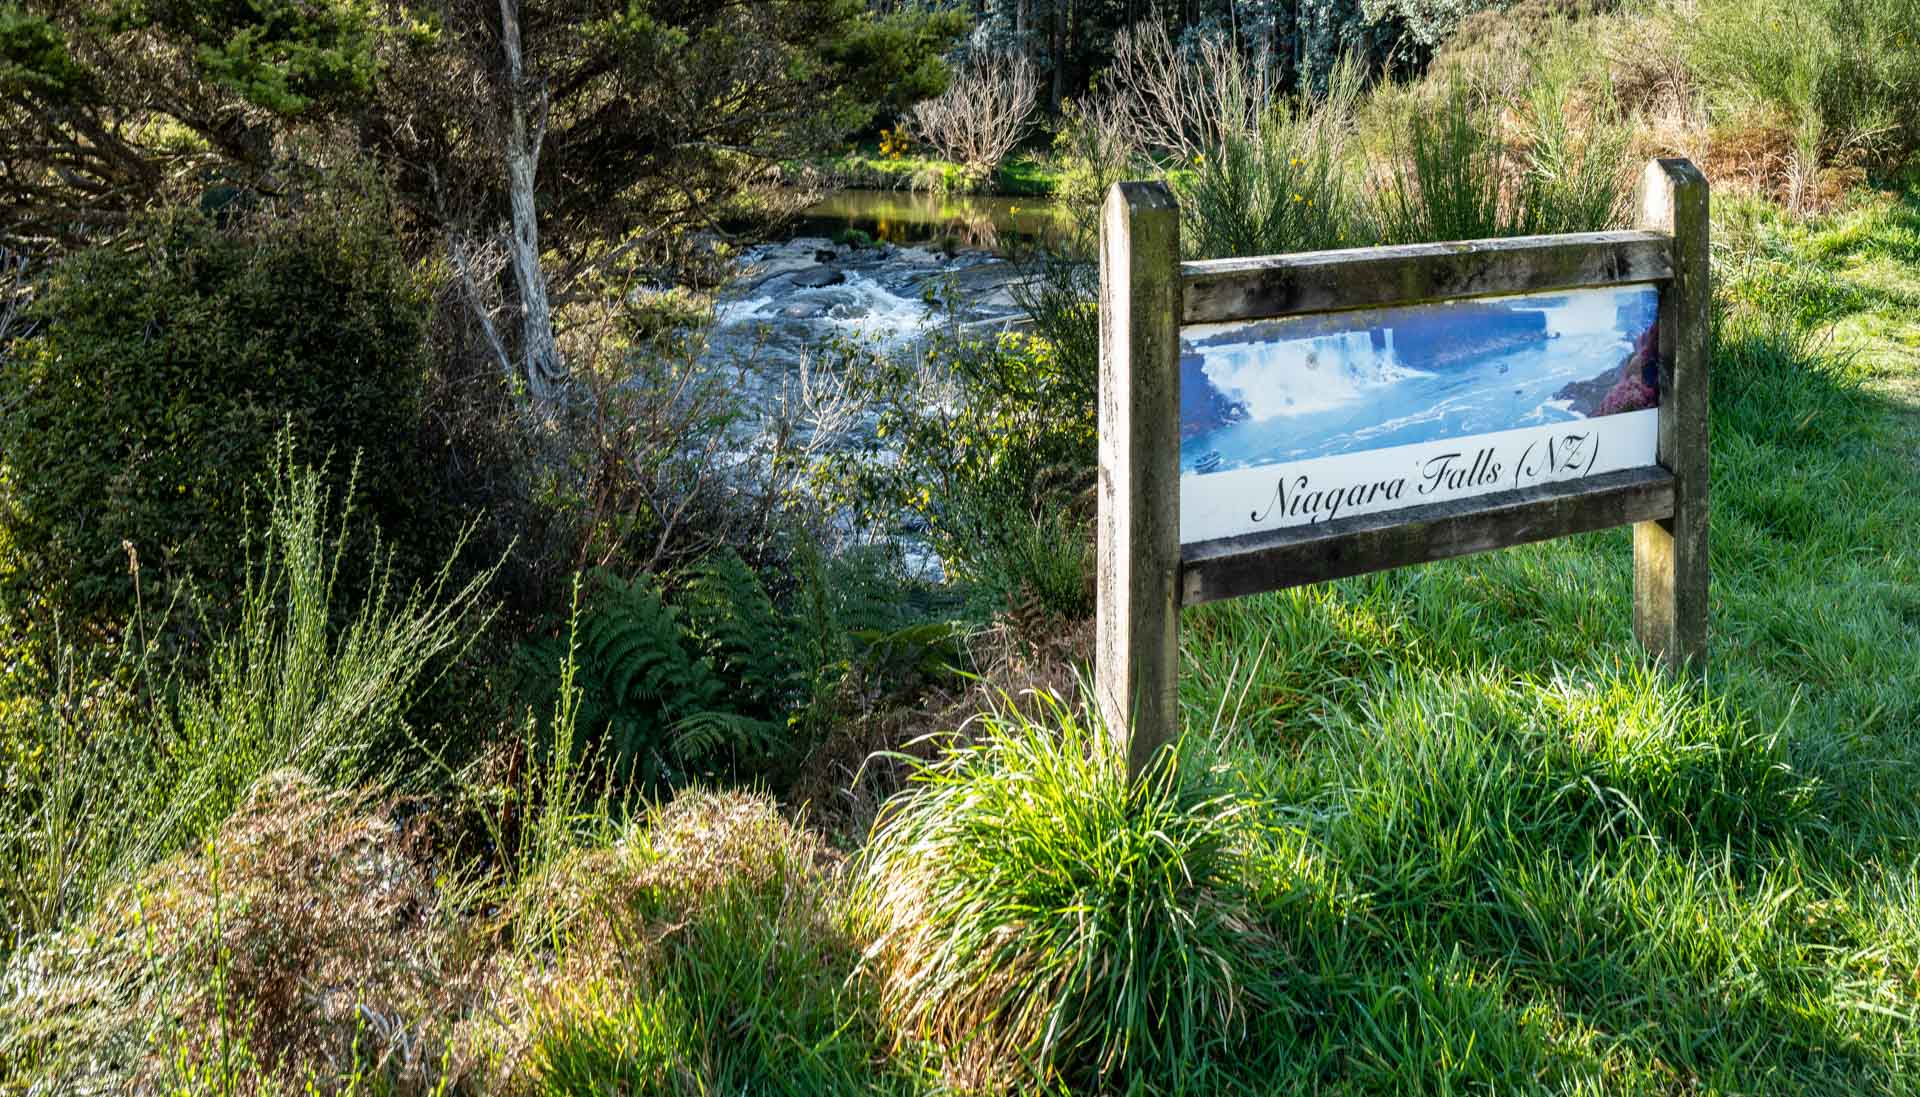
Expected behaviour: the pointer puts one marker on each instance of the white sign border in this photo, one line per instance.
(1236, 502)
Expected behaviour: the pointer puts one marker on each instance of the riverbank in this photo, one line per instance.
(866, 168)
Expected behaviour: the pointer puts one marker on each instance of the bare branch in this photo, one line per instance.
(983, 114)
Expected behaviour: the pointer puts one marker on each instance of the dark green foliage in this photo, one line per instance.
(279, 55)
(656, 112)
(638, 675)
(735, 625)
(149, 395)
(34, 59)
(994, 440)
(714, 679)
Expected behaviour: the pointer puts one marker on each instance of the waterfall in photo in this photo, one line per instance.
(1304, 376)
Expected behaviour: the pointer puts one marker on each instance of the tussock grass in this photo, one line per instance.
(1044, 922)
(711, 954)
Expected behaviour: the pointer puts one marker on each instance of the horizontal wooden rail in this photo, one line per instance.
(1218, 290)
(1237, 566)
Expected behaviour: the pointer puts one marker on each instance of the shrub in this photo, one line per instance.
(1841, 77)
(1037, 915)
(1278, 186)
(982, 115)
(1464, 175)
(304, 937)
(153, 385)
(126, 781)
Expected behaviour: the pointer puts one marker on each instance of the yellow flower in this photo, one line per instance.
(1296, 198)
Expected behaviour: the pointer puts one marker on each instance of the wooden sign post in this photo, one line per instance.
(1289, 419)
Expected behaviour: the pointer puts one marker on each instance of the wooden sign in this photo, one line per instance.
(1288, 419)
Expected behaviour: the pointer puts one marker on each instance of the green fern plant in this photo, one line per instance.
(733, 621)
(637, 674)
(713, 677)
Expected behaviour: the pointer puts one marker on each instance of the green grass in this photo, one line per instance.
(1503, 853)
(1021, 176)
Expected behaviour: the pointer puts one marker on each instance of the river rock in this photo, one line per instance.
(1630, 386)
(916, 256)
(819, 277)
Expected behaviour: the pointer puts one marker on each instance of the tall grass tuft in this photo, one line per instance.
(1043, 920)
(1574, 176)
(1450, 185)
(1279, 185)
(299, 682)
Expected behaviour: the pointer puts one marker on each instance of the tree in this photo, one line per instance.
(982, 115)
(564, 134)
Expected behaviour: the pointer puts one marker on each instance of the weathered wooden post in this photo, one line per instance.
(1137, 646)
(1670, 554)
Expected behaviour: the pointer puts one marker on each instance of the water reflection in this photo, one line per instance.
(953, 222)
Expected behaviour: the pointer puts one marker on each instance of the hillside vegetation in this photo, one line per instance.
(371, 724)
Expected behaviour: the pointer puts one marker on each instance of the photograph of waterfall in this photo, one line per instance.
(1265, 392)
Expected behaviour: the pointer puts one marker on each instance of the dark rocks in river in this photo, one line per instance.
(819, 277)
(1203, 408)
(1631, 386)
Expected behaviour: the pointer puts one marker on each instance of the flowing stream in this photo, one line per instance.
(879, 267)
(876, 268)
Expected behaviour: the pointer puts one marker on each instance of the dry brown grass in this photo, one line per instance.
(310, 928)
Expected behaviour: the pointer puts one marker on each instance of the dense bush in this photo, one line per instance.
(149, 394)
(709, 675)
(1840, 77)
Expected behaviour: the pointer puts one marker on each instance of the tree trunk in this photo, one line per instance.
(1057, 54)
(540, 350)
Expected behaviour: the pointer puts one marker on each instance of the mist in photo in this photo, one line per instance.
(1269, 391)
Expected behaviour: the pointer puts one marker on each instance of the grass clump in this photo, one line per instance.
(707, 952)
(1043, 921)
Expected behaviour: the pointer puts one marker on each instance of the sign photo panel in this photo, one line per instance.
(1306, 419)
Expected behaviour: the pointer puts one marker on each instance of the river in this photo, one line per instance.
(882, 267)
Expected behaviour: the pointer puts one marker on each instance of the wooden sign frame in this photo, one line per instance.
(1146, 576)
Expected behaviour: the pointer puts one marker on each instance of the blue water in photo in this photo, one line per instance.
(1265, 392)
